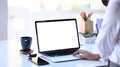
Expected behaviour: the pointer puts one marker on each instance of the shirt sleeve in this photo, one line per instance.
(107, 37)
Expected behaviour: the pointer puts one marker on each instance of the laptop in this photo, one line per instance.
(57, 39)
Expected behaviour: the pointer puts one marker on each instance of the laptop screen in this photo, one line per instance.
(57, 34)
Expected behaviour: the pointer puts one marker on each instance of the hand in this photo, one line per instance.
(86, 55)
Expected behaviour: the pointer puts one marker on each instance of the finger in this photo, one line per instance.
(82, 56)
(77, 56)
(77, 52)
(80, 51)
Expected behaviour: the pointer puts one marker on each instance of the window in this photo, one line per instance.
(23, 13)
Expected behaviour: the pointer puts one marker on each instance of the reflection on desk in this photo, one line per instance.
(11, 57)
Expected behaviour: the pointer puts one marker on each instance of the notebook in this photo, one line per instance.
(57, 39)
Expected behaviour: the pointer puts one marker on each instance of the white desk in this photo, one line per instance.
(10, 57)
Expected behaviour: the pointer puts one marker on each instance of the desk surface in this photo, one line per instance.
(11, 57)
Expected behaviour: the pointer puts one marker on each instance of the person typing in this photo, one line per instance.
(108, 40)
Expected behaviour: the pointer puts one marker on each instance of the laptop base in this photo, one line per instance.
(64, 58)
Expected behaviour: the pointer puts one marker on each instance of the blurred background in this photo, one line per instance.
(20, 15)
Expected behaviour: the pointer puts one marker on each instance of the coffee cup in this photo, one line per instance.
(26, 43)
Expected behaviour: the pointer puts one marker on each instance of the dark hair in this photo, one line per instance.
(105, 2)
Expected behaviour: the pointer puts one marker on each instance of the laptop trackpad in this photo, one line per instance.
(61, 58)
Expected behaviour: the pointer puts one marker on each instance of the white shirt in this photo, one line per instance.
(108, 39)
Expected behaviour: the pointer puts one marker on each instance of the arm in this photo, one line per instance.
(108, 35)
(106, 40)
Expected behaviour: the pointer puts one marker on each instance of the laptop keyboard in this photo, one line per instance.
(58, 54)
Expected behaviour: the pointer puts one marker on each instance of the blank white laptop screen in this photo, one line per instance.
(57, 35)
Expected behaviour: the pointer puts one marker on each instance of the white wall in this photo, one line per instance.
(3, 19)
